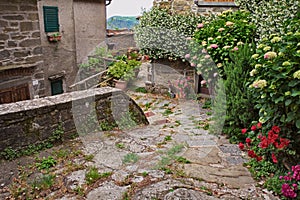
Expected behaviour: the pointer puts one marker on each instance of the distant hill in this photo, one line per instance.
(121, 22)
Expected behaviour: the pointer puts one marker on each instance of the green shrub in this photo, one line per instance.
(276, 82)
(240, 110)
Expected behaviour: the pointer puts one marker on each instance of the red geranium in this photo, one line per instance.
(252, 154)
(274, 158)
(253, 128)
(276, 129)
(244, 130)
(241, 146)
(259, 125)
(248, 140)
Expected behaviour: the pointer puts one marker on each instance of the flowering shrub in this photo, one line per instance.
(163, 35)
(262, 145)
(289, 188)
(275, 81)
(222, 35)
(270, 16)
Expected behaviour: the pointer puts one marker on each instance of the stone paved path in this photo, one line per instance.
(211, 168)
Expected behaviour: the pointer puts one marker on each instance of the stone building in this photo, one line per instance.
(31, 65)
(202, 7)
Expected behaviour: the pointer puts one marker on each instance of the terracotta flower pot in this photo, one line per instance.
(120, 84)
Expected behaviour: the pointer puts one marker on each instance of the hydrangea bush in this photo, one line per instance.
(275, 81)
(224, 34)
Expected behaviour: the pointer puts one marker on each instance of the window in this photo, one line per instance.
(51, 19)
(57, 87)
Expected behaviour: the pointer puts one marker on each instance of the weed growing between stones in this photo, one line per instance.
(130, 158)
(93, 175)
(46, 163)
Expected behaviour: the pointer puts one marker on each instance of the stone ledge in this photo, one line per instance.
(215, 4)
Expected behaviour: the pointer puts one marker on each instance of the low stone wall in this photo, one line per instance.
(34, 121)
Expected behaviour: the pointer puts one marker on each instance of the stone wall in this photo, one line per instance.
(31, 122)
(20, 45)
(202, 7)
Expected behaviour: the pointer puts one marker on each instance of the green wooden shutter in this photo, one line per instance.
(57, 87)
(51, 19)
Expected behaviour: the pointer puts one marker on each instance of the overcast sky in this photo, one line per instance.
(128, 7)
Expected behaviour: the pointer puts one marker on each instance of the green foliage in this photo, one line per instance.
(261, 169)
(270, 16)
(141, 90)
(163, 35)
(124, 70)
(275, 81)
(274, 183)
(92, 175)
(168, 138)
(240, 110)
(130, 158)
(181, 159)
(46, 163)
(220, 36)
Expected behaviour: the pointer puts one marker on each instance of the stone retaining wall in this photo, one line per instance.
(31, 122)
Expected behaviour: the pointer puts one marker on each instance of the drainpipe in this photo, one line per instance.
(107, 2)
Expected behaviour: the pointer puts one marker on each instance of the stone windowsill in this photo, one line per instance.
(215, 4)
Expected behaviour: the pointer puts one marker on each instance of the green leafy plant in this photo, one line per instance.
(124, 70)
(130, 158)
(46, 163)
(92, 175)
(44, 182)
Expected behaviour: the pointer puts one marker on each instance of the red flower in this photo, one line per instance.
(252, 154)
(264, 143)
(241, 146)
(259, 125)
(244, 130)
(248, 140)
(283, 143)
(274, 158)
(272, 137)
(253, 128)
(276, 129)
(259, 158)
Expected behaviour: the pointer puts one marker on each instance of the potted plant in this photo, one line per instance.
(54, 37)
(123, 71)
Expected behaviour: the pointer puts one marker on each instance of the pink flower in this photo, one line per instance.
(193, 64)
(187, 56)
(215, 74)
(200, 25)
(235, 49)
(214, 46)
(203, 82)
(204, 51)
(287, 191)
(195, 57)
(253, 128)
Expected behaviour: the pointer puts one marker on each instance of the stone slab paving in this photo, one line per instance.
(215, 169)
